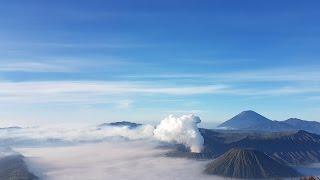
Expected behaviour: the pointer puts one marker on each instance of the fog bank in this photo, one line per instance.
(180, 130)
(114, 160)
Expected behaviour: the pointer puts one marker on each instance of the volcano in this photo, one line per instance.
(248, 163)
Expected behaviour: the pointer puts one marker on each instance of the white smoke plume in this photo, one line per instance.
(181, 130)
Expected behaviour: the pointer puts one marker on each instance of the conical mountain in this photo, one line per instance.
(246, 119)
(245, 163)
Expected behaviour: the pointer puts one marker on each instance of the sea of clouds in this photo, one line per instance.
(180, 130)
(109, 152)
(112, 160)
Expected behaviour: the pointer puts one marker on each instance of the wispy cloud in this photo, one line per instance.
(34, 67)
(293, 74)
(61, 65)
(286, 81)
(92, 91)
(124, 104)
(184, 111)
(212, 61)
(276, 91)
(316, 98)
(119, 91)
(78, 45)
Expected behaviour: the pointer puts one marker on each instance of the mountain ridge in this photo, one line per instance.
(130, 125)
(250, 120)
(290, 148)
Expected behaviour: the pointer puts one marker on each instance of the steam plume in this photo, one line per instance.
(182, 130)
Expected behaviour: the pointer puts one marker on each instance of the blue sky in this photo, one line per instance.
(87, 62)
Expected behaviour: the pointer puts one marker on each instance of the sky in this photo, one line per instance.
(80, 62)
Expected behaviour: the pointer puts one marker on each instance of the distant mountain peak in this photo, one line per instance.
(249, 113)
(128, 124)
(253, 121)
(294, 119)
(10, 128)
(245, 119)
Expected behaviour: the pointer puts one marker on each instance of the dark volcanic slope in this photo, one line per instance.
(296, 148)
(287, 147)
(13, 168)
(310, 126)
(240, 163)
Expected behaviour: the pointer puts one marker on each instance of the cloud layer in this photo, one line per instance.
(180, 130)
(41, 136)
(133, 160)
